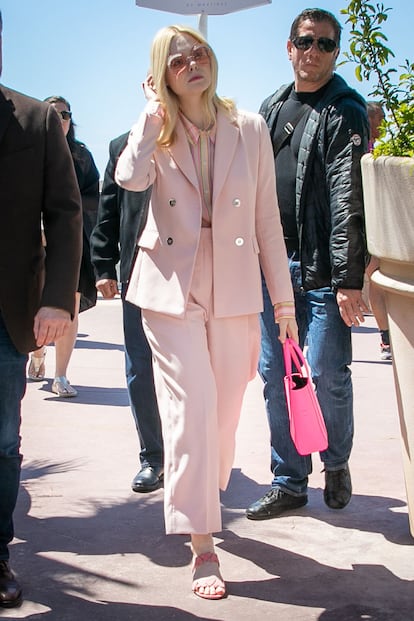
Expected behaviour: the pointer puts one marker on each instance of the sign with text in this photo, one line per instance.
(195, 7)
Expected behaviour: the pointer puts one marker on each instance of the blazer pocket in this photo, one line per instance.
(148, 239)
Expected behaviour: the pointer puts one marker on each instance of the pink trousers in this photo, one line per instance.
(202, 366)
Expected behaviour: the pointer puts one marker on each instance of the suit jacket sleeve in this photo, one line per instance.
(273, 258)
(136, 168)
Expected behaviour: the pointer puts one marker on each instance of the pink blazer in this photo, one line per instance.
(246, 228)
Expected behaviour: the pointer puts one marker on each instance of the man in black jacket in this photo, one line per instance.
(121, 218)
(37, 183)
(319, 131)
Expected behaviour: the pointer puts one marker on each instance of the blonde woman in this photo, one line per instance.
(213, 224)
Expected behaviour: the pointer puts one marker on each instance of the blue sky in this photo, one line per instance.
(95, 53)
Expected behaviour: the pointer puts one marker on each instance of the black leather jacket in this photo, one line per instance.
(329, 200)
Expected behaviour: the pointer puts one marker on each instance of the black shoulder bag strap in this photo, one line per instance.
(287, 130)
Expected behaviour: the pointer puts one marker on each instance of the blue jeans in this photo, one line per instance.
(12, 389)
(140, 383)
(329, 355)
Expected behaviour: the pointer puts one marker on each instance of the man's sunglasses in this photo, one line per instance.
(324, 43)
(66, 115)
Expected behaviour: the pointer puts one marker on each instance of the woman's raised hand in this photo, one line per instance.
(149, 88)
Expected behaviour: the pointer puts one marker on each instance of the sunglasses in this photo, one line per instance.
(200, 56)
(305, 43)
(66, 115)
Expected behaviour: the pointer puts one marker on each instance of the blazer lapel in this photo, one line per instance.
(6, 110)
(226, 141)
(181, 154)
(227, 136)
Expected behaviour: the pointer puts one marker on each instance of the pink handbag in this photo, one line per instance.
(307, 426)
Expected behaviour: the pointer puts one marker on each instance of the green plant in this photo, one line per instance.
(393, 89)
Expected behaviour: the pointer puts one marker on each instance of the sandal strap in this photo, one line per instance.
(207, 557)
(37, 361)
(61, 386)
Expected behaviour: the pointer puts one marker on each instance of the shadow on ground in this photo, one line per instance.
(106, 533)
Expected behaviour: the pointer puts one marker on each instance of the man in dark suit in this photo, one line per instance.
(37, 290)
(121, 218)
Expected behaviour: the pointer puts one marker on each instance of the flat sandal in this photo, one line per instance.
(36, 371)
(208, 581)
(61, 386)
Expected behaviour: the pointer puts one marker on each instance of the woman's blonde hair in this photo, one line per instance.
(160, 52)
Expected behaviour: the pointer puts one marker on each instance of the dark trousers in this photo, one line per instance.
(12, 389)
(140, 383)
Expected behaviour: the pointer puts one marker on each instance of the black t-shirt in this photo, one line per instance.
(287, 159)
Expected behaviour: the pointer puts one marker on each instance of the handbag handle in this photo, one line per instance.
(292, 351)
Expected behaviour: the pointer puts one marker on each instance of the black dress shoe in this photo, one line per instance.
(274, 503)
(338, 488)
(10, 589)
(148, 479)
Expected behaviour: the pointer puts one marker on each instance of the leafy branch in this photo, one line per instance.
(368, 49)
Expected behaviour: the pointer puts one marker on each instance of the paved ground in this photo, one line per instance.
(90, 549)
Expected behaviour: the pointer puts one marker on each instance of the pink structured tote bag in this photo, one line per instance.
(307, 426)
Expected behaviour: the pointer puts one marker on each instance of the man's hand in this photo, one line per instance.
(50, 324)
(108, 288)
(351, 306)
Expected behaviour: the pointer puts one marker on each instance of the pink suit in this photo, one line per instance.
(200, 294)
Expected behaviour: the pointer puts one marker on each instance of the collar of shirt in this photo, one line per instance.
(193, 132)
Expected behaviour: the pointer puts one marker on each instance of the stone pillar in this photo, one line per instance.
(389, 210)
